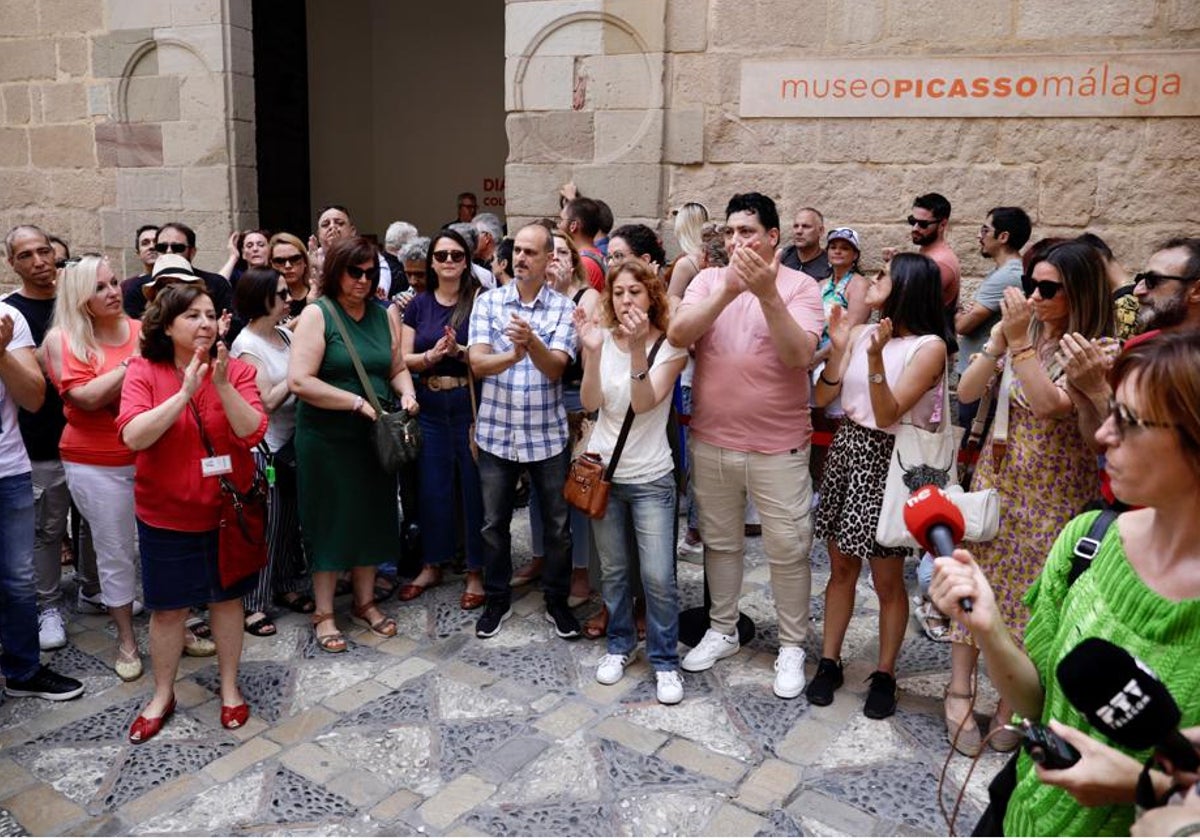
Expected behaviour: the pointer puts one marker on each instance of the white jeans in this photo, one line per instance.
(104, 495)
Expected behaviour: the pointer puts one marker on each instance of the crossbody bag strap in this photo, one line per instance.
(1003, 398)
(358, 365)
(1086, 548)
(625, 426)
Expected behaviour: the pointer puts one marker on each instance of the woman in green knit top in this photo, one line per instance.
(1142, 592)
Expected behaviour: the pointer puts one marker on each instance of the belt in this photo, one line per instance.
(444, 383)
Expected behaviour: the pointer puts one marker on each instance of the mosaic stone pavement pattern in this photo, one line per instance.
(436, 732)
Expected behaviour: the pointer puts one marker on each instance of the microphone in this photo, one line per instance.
(1125, 701)
(936, 523)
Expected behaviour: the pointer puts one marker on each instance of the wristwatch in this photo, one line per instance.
(876, 378)
(640, 376)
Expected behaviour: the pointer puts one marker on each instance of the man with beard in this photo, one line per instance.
(928, 219)
(1168, 294)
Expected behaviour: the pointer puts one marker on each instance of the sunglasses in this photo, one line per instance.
(295, 259)
(1046, 288)
(282, 292)
(173, 247)
(921, 223)
(1153, 278)
(450, 256)
(1124, 417)
(357, 273)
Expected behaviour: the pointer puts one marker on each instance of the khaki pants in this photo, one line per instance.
(781, 489)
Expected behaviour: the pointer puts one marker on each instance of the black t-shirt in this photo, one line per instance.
(41, 429)
(817, 268)
(219, 290)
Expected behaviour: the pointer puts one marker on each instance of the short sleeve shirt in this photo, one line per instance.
(989, 295)
(13, 458)
(743, 396)
(521, 414)
(428, 319)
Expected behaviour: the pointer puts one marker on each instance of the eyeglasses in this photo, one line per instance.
(357, 273)
(449, 256)
(1124, 417)
(173, 247)
(469, 206)
(1046, 288)
(921, 223)
(295, 259)
(281, 292)
(615, 257)
(984, 230)
(415, 273)
(1153, 278)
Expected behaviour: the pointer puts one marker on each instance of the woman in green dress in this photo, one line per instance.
(348, 510)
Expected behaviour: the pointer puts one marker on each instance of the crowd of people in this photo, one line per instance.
(133, 409)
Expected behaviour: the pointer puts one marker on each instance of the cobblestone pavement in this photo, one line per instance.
(436, 732)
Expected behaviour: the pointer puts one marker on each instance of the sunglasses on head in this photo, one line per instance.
(921, 223)
(173, 247)
(1046, 288)
(357, 273)
(450, 256)
(1153, 278)
(295, 259)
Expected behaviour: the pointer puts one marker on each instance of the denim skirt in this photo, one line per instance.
(179, 569)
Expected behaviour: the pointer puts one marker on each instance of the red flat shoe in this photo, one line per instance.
(145, 728)
(472, 600)
(233, 717)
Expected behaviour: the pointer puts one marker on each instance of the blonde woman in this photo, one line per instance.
(86, 354)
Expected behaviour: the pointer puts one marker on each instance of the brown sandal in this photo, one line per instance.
(965, 739)
(333, 642)
(385, 627)
(596, 626)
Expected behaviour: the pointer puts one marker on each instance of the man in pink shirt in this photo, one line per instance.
(755, 326)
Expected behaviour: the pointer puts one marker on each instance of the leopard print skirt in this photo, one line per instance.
(852, 486)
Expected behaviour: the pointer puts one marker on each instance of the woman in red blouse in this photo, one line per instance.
(174, 396)
(86, 353)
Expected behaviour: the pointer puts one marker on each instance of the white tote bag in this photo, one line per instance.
(922, 457)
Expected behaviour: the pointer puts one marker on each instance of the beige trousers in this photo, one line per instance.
(781, 489)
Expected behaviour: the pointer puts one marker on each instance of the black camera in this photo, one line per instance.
(1046, 748)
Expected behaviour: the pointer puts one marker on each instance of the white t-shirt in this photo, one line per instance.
(14, 460)
(647, 453)
(281, 423)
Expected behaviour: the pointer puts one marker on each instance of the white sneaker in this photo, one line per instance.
(611, 667)
(789, 672)
(51, 632)
(712, 647)
(686, 549)
(94, 605)
(670, 687)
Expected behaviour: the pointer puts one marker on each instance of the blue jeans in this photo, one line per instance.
(18, 594)
(645, 514)
(497, 479)
(445, 420)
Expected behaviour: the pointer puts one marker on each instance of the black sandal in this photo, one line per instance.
(385, 587)
(296, 602)
(259, 628)
(199, 627)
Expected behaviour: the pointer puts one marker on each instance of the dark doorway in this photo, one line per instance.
(281, 116)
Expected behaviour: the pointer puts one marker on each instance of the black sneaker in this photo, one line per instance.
(493, 616)
(45, 684)
(564, 621)
(881, 698)
(827, 680)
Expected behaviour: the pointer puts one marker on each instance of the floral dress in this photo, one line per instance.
(1045, 477)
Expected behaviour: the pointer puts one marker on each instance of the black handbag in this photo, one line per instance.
(395, 434)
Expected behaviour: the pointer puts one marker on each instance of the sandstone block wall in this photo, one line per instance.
(116, 113)
(1132, 180)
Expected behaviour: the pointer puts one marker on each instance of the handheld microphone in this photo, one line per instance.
(936, 523)
(1125, 701)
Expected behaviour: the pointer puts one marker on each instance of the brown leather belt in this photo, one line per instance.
(444, 383)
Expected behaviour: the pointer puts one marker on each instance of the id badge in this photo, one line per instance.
(216, 465)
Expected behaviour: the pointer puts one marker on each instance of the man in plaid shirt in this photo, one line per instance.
(521, 340)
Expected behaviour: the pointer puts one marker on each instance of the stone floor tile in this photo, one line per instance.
(703, 721)
(501, 764)
(566, 719)
(566, 772)
(460, 701)
(699, 760)
(768, 786)
(454, 800)
(402, 672)
(301, 726)
(828, 816)
(398, 646)
(92, 641)
(400, 757)
(224, 808)
(396, 804)
(164, 797)
(806, 741)
(189, 693)
(247, 755)
(41, 810)
(359, 789)
(355, 696)
(732, 821)
(663, 814)
(638, 738)
(13, 778)
(313, 762)
(465, 673)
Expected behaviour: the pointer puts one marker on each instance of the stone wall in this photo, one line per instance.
(123, 112)
(1133, 180)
